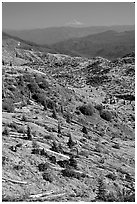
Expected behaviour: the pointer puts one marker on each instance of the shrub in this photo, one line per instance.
(45, 105)
(70, 143)
(39, 97)
(21, 130)
(43, 166)
(59, 128)
(111, 176)
(47, 176)
(77, 112)
(101, 193)
(110, 197)
(19, 145)
(84, 153)
(7, 198)
(87, 109)
(72, 173)
(13, 125)
(29, 135)
(116, 146)
(52, 159)
(60, 148)
(68, 118)
(43, 100)
(73, 162)
(86, 136)
(13, 148)
(63, 164)
(21, 81)
(33, 87)
(97, 147)
(42, 83)
(11, 88)
(126, 195)
(54, 114)
(54, 147)
(106, 115)
(133, 117)
(18, 167)
(3, 160)
(99, 107)
(42, 152)
(24, 118)
(35, 144)
(5, 131)
(84, 130)
(61, 109)
(50, 103)
(121, 195)
(8, 106)
(35, 151)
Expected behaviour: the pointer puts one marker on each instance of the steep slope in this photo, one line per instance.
(65, 138)
(18, 51)
(57, 34)
(108, 44)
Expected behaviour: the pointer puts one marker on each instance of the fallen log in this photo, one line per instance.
(55, 153)
(16, 133)
(41, 194)
(14, 181)
(60, 169)
(18, 123)
(50, 197)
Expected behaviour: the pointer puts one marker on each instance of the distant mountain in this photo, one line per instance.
(53, 35)
(109, 44)
(13, 40)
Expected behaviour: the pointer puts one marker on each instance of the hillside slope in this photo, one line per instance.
(108, 44)
(68, 127)
(16, 50)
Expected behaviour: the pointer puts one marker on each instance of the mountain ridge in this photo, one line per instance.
(109, 44)
(52, 35)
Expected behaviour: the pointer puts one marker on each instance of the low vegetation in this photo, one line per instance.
(106, 115)
(8, 106)
(87, 109)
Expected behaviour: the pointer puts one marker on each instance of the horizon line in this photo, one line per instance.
(63, 26)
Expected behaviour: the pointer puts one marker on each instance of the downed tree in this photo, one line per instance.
(52, 166)
(50, 197)
(46, 196)
(14, 181)
(53, 152)
(41, 194)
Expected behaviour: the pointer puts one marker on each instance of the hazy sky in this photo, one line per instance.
(29, 15)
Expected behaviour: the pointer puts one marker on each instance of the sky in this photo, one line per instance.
(31, 15)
